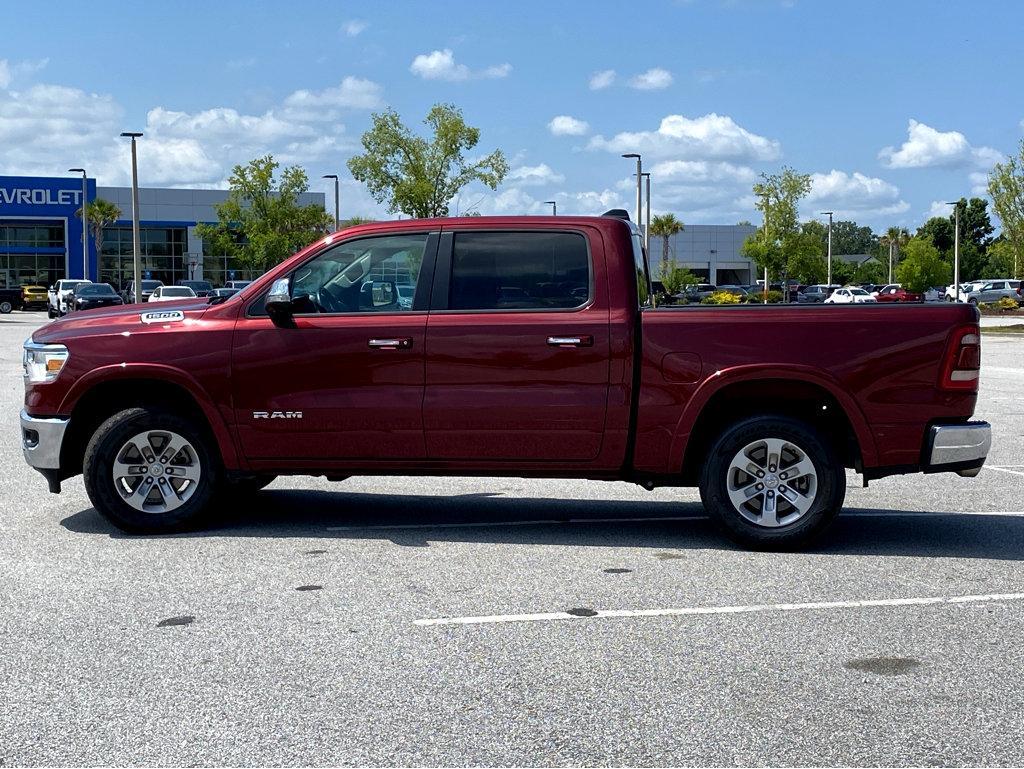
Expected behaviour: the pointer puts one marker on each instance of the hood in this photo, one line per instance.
(120, 318)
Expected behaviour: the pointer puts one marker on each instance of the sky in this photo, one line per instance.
(892, 107)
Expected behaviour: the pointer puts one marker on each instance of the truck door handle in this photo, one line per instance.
(571, 341)
(396, 343)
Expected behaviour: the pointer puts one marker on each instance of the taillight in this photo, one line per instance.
(963, 360)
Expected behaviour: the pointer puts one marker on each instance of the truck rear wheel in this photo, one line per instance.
(5, 307)
(149, 471)
(772, 482)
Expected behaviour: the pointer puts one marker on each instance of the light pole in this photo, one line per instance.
(85, 221)
(335, 177)
(639, 183)
(647, 213)
(829, 214)
(956, 249)
(137, 271)
(554, 207)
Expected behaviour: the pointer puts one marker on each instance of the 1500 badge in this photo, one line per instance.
(164, 316)
(277, 415)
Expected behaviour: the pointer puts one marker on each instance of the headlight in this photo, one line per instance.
(43, 362)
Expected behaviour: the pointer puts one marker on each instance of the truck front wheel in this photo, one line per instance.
(149, 471)
(772, 482)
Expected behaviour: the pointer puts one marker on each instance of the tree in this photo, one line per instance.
(778, 237)
(870, 271)
(893, 239)
(664, 226)
(975, 224)
(938, 230)
(1006, 188)
(417, 177)
(923, 267)
(848, 237)
(677, 278)
(101, 214)
(806, 261)
(261, 223)
(1003, 258)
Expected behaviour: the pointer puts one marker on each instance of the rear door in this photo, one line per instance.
(517, 366)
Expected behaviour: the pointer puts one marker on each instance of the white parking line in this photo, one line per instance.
(704, 610)
(1003, 469)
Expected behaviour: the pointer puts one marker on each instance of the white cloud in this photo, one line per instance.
(710, 137)
(354, 27)
(564, 125)
(441, 65)
(652, 80)
(9, 73)
(979, 182)
(853, 194)
(5, 73)
(695, 171)
(591, 202)
(927, 147)
(351, 93)
(602, 79)
(938, 208)
(534, 175)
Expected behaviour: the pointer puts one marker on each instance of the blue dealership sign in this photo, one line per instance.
(46, 199)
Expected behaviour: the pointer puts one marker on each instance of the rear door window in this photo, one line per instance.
(519, 271)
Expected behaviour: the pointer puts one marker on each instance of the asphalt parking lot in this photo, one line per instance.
(317, 626)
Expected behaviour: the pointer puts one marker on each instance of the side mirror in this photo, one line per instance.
(279, 303)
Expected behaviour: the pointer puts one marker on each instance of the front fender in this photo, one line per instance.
(753, 372)
(129, 371)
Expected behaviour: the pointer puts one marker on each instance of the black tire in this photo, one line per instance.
(102, 451)
(50, 313)
(827, 501)
(972, 300)
(6, 308)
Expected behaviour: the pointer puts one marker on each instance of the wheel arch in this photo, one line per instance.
(103, 392)
(726, 398)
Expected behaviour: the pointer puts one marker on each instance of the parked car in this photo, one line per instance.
(201, 287)
(993, 290)
(10, 300)
(163, 409)
(237, 284)
(148, 287)
(739, 291)
(89, 296)
(58, 296)
(964, 289)
(896, 293)
(935, 294)
(170, 293)
(223, 293)
(695, 292)
(850, 295)
(33, 297)
(817, 293)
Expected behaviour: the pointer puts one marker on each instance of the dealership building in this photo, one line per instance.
(713, 252)
(41, 237)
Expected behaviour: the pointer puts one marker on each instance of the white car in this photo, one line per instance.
(58, 296)
(170, 293)
(965, 289)
(850, 295)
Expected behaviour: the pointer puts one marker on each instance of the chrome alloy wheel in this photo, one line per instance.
(772, 482)
(156, 471)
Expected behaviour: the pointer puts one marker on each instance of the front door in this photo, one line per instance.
(346, 383)
(517, 347)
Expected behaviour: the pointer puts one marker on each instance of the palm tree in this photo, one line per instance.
(665, 226)
(894, 238)
(102, 214)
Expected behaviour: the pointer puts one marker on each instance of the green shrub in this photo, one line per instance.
(721, 297)
(1006, 304)
(774, 297)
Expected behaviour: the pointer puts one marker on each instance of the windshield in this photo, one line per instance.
(73, 283)
(197, 285)
(95, 289)
(178, 291)
(151, 285)
(858, 292)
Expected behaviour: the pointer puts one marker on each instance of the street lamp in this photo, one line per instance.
(137, 271)
(335, 177)
(647, 213)
(85, 222)
(639, 182)
(829, 214)
(956, 248)
(554, 206)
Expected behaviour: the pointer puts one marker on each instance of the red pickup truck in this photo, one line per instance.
(526, 346)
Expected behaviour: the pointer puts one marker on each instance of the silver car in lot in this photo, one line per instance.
(993, 291)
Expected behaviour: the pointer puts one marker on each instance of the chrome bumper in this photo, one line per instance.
(958, 448)
(41, 440)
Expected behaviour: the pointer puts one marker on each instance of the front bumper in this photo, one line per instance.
(41, 440)
(961, 449)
